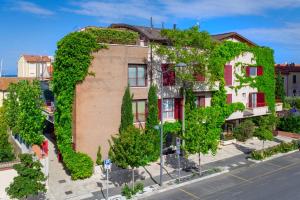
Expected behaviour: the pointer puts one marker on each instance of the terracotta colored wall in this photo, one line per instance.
(98, 99)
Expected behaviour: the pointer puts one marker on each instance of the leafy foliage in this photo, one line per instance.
(293, 101)
(290, 124)
(30, 179)
(126, 111)
(6, 150)
(279, 88)
(281, 148)
(152, 118)
(128, 192)
(72, 60)
(244, 130)
(23, 111)
(99, 156)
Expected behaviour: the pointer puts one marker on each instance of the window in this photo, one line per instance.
(139, 110)
(200, 101)
(137, 75)
(168, 109)
(168, 75)
(253, 71)
(294, 79)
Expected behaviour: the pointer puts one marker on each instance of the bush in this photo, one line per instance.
(99, 156)
(293, 101)
(290, 124)
(281, 148)
(128, 192)
(244, 130)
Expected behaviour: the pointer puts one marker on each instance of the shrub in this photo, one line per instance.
(99, 156)
(293, 101)
(6, 150)
(244, 130)
(281, 148)
(128, 192)
(290, 124)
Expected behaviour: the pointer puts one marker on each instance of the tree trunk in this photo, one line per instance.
(133, 178)
(199, 166)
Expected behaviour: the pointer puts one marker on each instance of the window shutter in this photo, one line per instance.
(229, 98)
(171, 77)
(228, 75)
(248, 71)
(176, 109)
(159, 110)
(250, 100)
(201, 101)
(168, 75)
(164, 68)
(199, 77)
(260, 99)
(259, 71)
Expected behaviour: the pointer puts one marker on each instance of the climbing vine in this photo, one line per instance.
(72, 60)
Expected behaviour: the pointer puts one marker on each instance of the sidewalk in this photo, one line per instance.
(230, 156)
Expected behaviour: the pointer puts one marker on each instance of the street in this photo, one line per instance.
(275, 179)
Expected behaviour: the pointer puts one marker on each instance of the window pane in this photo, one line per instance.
(131, 72)
(141, 72)
(132, 82)
(253, 71)
(134, 111)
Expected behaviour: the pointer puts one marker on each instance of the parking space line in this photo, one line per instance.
(238, 177)
(188, 193)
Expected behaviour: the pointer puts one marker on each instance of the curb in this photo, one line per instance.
(180, 185)
(273, 157)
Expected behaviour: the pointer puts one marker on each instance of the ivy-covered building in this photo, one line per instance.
(96, 109)
(291, 78)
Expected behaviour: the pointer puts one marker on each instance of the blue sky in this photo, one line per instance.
(34, 27)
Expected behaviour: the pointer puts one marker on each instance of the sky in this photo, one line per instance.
(34, 27)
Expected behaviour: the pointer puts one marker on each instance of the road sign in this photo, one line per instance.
(107, 164)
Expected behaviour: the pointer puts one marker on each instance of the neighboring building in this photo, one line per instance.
(291, 75)
(35, 66)
(97, 106)
(4, 83)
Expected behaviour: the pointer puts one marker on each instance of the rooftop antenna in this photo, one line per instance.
(1, 65)
(151, 23)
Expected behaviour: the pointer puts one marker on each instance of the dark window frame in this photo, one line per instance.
(136, 111)
(136, 66)
(294, 79)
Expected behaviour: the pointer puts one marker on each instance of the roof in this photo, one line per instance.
(153, 34)
(5, 81)
(36, 58)
(287, 68)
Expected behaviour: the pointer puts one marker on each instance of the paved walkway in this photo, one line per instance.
(62, 187)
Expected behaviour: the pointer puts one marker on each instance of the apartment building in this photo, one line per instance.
(35, 66)
(291, 76)
(96, 111)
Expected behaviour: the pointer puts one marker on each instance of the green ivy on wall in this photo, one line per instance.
(72, 60)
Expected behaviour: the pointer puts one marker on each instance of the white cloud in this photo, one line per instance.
(32, 8)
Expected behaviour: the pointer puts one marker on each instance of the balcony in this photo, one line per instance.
(260, 110)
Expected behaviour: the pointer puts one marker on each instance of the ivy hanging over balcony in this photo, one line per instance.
(72, 60)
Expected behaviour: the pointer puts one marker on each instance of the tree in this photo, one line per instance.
(30, 179)
(6, 150)
(99, 156)
(266, 125)
(23, 111)
(263, 134)
(131, 149)
(190, 99)
(126, 111)
(279, 87)
(244, 130)
(152, 118)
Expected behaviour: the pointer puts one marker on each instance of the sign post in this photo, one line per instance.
(107, 166)
(178, 156)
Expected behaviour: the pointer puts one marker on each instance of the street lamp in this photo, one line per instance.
(160, 127)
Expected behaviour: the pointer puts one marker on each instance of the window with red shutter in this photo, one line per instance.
(228, 75)
(259, 71)
(178, 109)
(247, 71)
(229, 98)
(168, 75)
(260, 99)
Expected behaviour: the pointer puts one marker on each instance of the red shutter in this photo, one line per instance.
(178, 109)
(260, 99)
(229, 98)
(201, 101)
(247, 71)
(250, 100)
(159, 110)
(168, 75)
(260, 71)
(199, 77)
(228, 75)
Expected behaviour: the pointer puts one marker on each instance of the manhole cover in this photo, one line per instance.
(62, 181)
(68, 192)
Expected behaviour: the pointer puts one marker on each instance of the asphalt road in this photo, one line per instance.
(277, 179)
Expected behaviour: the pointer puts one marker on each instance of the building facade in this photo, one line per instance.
(35, 66)
(98, 99)
(291, 77)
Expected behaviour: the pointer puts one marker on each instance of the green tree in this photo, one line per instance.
(266, 125)
(99, 156)
(190, 98)
(131, 149)
(23, 111)
(244, 130)
(126, 111)
(6, 150)
(152, 118)
(263, 133)
(30, 179)
(279, 87)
